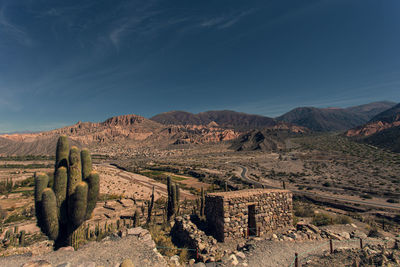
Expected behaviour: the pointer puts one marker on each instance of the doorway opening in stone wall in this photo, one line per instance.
(252, 220)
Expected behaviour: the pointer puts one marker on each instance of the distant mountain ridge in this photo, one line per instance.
(383, 130)
(334, 119)
(222, 118)
(179, 127)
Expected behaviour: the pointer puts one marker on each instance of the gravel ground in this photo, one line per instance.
(107, 253)
(281, 253)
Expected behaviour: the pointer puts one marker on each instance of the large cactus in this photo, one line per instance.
(61, 210)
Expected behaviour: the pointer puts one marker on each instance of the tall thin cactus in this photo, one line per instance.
(61, 210)
(170, 202)
(177, 198)
(150, 208)
(202, 203)
(173, 199)
(136, 218)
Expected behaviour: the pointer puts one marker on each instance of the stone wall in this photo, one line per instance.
(186, 234)
(228, 212)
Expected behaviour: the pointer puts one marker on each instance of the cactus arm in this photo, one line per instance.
(60, 190)
(41, 182)
(78, 202)
(86, 164)
(93, 181)
(75, 170)
(49, 212)
(62, 152)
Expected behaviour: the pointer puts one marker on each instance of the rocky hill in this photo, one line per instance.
(383, 130)
(126, 130)
(334, 119)
(222, 118)
(264, 140)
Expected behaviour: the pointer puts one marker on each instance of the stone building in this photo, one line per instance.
(251, 211)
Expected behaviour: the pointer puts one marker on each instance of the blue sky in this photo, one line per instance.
(65, 61)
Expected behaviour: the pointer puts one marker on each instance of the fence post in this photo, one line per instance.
(331, 245)
(296, 260)
(361, 243)
(197, 253)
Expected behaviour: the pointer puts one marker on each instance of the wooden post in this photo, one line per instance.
(383, 224)
(331, 245)
(296, 260)
(197, 253)
(361, 243)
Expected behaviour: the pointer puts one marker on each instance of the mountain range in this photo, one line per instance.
(245, 131)
(334, 119)
(382, 130)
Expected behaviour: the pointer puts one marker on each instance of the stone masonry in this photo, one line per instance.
(252, 211)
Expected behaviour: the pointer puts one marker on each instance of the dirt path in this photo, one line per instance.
(342, 198)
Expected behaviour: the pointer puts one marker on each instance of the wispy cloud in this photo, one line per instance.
(148, 23)
(13, 30)
(225, 21)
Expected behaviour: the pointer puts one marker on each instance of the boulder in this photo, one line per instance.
(233, 260)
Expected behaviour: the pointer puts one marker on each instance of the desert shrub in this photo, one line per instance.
(342, 219)
(183, 256)
(295, 220)
(161, 201)
(28, 193)
(326, 184)
(3, 214)
(373, 232)
(163, 240)
(392, 200)
(321, 219)
(303, 210)
(105, 197)
(366, 196)
(27, 182)
(16, 217)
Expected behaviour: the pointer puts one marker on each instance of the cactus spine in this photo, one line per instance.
(62, 209)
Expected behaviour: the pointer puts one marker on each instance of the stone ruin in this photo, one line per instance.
(248, 212)
(232, 214)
